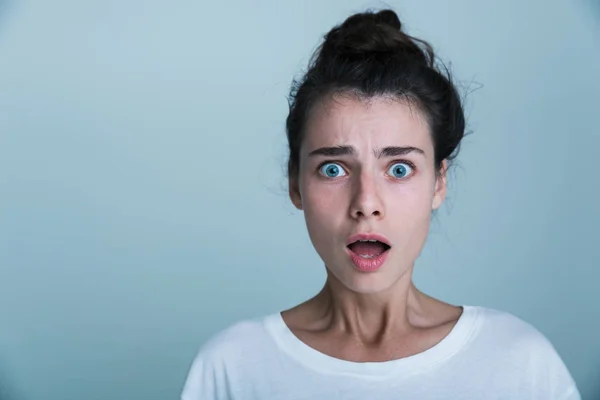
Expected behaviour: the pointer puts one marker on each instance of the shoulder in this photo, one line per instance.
(501, 327)
(517, 346)
(224, 356)
(239, 337)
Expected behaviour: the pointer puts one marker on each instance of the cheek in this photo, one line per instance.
(410, 209)
(325, 208)
(323, 201)
(413, 196)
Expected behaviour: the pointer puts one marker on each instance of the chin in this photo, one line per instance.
(372, 287)
(363, 283)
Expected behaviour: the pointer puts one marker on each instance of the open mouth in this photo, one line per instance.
(368, 249)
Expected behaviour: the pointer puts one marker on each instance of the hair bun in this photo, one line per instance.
(384, 18)
(390, 18)
(368, 33)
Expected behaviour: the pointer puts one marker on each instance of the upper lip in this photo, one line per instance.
(368, 236)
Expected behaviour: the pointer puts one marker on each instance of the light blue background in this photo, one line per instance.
(143, 202)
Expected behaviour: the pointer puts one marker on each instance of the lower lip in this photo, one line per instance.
(368, 264)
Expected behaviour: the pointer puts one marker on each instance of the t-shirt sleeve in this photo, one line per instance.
(571, 394)
(213, 374)
(203, 380)
(553, 379)
(528, 357)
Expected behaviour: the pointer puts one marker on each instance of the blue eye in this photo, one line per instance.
(332, 170)
(400, 170)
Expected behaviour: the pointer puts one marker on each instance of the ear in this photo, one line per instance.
(294, 191)
(440, 187)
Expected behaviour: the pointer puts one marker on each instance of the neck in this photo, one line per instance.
(369, 317)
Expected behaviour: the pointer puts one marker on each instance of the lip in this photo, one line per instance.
(368, 236)
(368, 264)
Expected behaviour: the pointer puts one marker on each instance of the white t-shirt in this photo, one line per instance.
(489, 354)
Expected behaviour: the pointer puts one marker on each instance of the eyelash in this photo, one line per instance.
(410, 164)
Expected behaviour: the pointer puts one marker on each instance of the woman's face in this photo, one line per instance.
(367, 173)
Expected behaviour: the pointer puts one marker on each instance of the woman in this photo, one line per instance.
(372, 129)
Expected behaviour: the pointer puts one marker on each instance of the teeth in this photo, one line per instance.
(364, 241)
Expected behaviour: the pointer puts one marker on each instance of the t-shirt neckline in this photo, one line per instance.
(288, 342)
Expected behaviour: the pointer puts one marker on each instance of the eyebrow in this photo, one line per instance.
(390, 151)
(335, 151)
(394, 151)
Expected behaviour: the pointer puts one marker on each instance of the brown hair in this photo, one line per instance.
(369, 55)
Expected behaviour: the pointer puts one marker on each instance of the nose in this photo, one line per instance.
(366, 201)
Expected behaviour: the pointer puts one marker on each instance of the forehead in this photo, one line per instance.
(373, 122)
